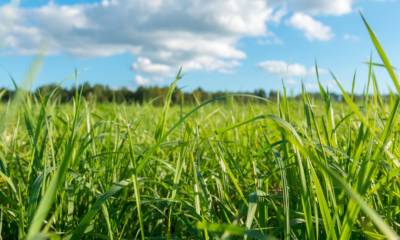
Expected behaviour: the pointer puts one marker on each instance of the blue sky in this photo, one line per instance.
(221, 44)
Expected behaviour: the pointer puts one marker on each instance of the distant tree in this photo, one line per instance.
(154, 94)
(273, 94)
(260, 93)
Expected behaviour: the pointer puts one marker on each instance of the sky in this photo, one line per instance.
(221, 45)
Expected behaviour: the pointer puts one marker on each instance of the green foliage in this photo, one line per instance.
(141, 95)
(301, 168)
(213, 171)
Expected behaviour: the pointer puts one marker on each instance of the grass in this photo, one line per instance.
(291, 169)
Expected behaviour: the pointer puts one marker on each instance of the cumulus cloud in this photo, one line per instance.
(305, 11)
(162, 34)
(292, 73)
(283, 68)
(321, 7)
(287, 70)
(312, 29)
(147, 66)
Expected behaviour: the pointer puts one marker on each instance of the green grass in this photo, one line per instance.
(291, 169)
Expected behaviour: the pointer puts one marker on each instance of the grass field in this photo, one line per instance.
(304, 169)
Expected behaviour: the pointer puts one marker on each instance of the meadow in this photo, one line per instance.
(267, 169)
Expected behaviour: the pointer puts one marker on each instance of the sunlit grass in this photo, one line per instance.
(301, 169)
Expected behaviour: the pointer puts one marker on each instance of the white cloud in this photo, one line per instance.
(313, 29)
(288, 70)
(304, 10)
(283, 68)
(277, 16)
(162, 34)
(321, 7)
(147, 66)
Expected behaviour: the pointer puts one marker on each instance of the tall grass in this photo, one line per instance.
(307, 169)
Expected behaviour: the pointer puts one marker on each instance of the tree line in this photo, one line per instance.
(104, 94)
